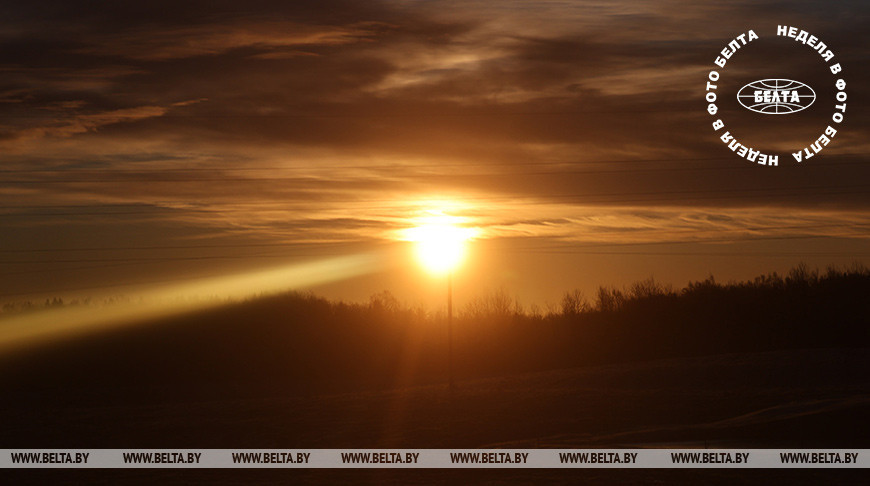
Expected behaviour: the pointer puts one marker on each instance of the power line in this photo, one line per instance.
(719, 253)
(155, 247)
(567, 248)
(640, 232)
(406, 176)
(393, 166)
(151, 171)
(562, 199)
(682, 242)
(123, 170)
(347, 115)
(695, 194)
(154, 259)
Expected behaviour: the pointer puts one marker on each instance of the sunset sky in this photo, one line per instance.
(146, 144)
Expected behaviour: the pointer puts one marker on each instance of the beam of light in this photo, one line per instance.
(52, 324)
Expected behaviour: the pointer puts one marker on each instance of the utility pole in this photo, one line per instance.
(450, 381)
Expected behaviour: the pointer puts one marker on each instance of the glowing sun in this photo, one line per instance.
(440, 243)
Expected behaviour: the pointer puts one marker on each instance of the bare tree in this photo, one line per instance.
(574, 303)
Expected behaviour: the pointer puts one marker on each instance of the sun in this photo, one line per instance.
(440, 247)
(440, 243)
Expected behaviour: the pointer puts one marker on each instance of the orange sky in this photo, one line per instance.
(155, 143)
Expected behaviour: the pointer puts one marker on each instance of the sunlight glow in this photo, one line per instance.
(52, 324)
(440, 242)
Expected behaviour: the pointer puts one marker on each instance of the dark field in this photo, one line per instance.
(298, 372)
(803, 398)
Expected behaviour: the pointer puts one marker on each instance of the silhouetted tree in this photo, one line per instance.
(609, 299)
(497, 304)
(574, 303)
(647, 288)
